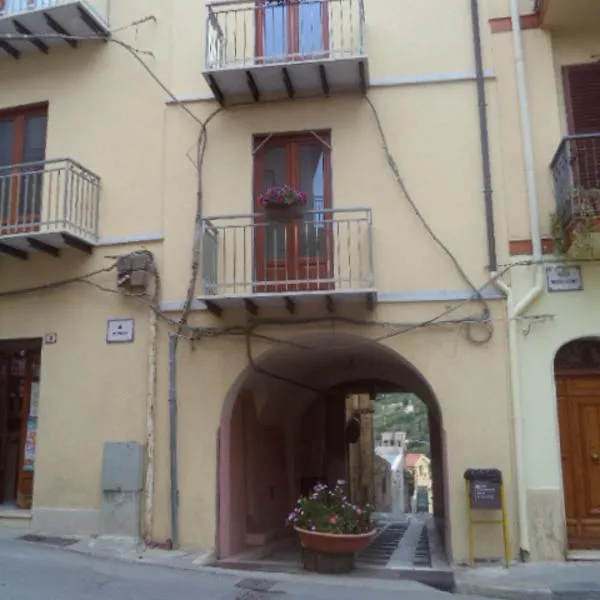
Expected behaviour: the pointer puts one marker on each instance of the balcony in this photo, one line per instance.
(576, 173)
(324, 259)
(270, 49)
(44, 21)
(46, 206)
(569, 15)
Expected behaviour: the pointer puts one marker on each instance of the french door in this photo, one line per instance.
(298, 254)
(291, 30)
(22, 152)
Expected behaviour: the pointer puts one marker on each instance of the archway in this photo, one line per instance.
(282, 428)
(577, 374)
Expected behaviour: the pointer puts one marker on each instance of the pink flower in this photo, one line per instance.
(333, 520)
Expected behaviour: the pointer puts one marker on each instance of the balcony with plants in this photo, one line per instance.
(288, 256)
(40, 25)
(284, 48)
(576, 174)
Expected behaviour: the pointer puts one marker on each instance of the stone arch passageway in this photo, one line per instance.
(282, 427)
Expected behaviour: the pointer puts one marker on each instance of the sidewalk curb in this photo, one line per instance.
(503, 592)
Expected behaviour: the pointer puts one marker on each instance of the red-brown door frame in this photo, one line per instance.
(19, 116)
(293, 30)
(305, 273)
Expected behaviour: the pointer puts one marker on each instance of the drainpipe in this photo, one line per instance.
(516, 309)
(174, 479)
(485, 140)
(150, 425)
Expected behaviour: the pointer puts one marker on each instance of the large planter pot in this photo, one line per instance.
(330, 552)
(284, 212)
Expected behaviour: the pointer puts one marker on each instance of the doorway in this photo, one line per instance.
(19, 395)
(291, 30)
(577, 372)
(278, 439)
(295, 255)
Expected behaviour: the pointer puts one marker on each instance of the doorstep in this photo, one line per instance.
(12, 513)
(584, 555)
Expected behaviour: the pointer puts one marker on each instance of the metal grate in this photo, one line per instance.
(379, 552)
(52, 541)
(255, 589)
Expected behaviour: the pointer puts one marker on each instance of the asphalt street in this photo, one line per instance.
(31, 571)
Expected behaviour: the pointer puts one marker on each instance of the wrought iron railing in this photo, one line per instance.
(325, 250)
(49, 196)
(17, 7)
(576, 173)
(241, 33)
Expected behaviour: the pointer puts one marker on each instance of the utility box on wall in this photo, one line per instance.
(122, 485)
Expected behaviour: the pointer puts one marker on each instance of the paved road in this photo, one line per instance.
(31, 571)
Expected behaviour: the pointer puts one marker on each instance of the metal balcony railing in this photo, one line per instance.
(241, 33)
(49, 196)
(576, 173)
(326, 250)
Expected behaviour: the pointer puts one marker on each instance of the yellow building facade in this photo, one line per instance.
(147, 299)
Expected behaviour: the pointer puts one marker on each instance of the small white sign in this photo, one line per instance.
(120, 331)
(562, 278)
(50, 338)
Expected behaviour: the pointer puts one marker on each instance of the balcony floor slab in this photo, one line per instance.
(20, 245)
(76, 18)
(296, 79)
(292, 301)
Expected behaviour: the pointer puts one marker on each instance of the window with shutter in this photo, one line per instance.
(582, 92)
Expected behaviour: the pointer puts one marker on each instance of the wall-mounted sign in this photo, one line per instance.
(562, 278)
(485, 495)
(50, 338)
(120, 331)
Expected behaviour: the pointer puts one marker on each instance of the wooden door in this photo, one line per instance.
(22, 152)
(291, 30)
(29, 417)
(579, 424)
(297, 255)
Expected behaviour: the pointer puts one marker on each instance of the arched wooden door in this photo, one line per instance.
(577, 370)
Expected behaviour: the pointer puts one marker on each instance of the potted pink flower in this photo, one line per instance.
(331, 528)
(283, 203)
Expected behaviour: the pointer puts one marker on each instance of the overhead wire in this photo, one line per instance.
(200, 332)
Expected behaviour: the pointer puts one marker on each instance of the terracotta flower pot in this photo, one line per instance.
(284, 212)
(334, 543)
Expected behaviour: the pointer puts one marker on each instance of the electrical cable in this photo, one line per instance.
(400, 181)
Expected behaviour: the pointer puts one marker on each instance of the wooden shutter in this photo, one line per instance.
(582, 84)
(1, 5)
(582, 93)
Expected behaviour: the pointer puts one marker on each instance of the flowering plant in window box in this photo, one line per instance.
(283, 203)
(329, 524)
